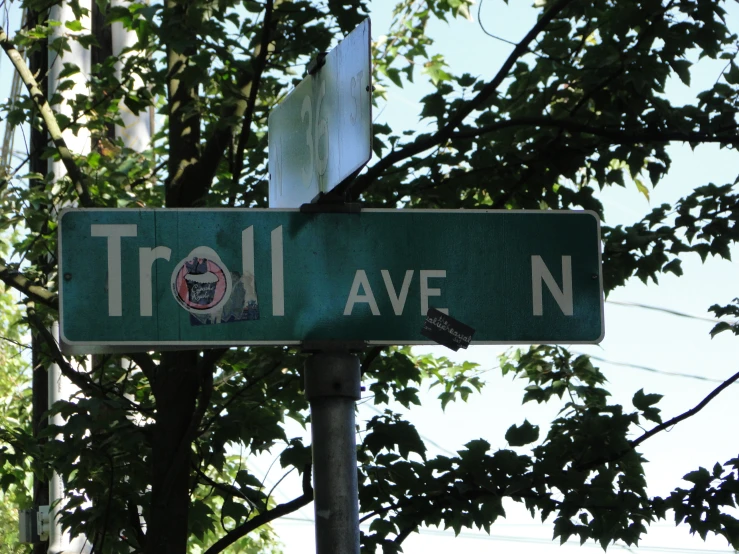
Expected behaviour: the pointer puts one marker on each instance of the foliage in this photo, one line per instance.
(578, 105)
(15, 418)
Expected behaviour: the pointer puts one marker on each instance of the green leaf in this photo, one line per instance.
(675, 266)
(74, 25)
(643, 401)
(642, 188)
(720, 327)
(700, 477)
(16, 117)
(521, 435)
(69, 70)
(475, 449)
(466, 80)
(394, 76)
(296, 455)
(732, 74)
(434, 68)
(388, 433)
(200, 519)
(88, 40)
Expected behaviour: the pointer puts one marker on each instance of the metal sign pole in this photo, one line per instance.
(332, 386)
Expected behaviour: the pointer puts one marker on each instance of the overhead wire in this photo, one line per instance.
(650, 369)
(669, 311)
(533, 540)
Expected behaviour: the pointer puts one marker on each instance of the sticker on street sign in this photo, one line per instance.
(446, 330)
(146, 279)
(321, 133)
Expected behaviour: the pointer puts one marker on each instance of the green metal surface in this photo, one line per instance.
(486, 257)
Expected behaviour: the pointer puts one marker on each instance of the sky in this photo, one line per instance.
(643, 347)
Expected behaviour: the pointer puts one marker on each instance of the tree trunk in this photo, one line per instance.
(176, 390)
(178, 379)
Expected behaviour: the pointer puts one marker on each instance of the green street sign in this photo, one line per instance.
(146, 279)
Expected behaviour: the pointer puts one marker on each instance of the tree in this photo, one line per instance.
(578, 105)
(15, 418)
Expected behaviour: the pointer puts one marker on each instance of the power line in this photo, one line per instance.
(651, 369)
(665, 310)
(532, 540)
(544, 541)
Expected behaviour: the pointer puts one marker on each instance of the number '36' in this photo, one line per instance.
(316, 130)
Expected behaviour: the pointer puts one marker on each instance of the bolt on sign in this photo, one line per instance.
(148, 279)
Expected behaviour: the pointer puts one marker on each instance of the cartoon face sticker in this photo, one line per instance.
(201, 282)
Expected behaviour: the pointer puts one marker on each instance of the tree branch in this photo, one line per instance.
(182, 183)
(243, 110)
(135, 520)
(238, 393)
(206, 391)
(370, 357)
(67, 370)
(78, 379)
(230, 490)
(685, 415)
(145, 363)
(662, 426)
(421, 144)
(108, 503)
(261, 65)
(205, 375)
(35, 292)
(643, 35)
(210, 357)
(47, 114)
(265, 517)
(404, 534)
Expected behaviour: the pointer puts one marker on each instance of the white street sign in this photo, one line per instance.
(322, 132)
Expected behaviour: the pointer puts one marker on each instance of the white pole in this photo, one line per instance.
(60, 388)
(79, 56)
(136, 129)
(136, 134)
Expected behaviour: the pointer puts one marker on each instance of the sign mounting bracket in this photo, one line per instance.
(327, 204)
(316, 63)
(312, 346)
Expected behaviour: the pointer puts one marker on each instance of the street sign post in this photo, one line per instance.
(148, 279)
(321, 133)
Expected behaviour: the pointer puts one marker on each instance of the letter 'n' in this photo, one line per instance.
(563, 296)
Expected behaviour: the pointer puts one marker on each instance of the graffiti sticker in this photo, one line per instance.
(201, 283)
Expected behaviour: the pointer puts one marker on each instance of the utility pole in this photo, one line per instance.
(38, 63)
